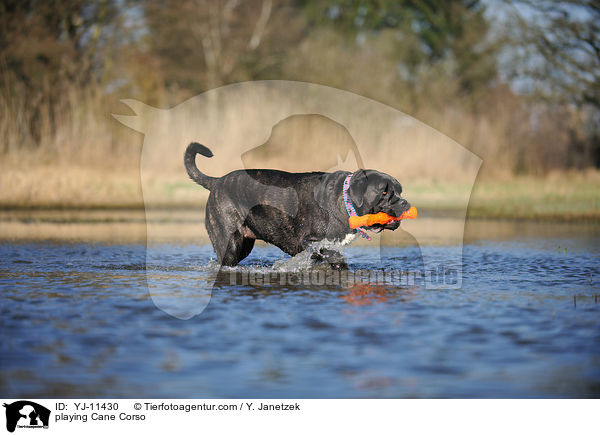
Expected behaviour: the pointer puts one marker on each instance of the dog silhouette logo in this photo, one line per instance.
(304, 143)
(294, 127)
(26, 414)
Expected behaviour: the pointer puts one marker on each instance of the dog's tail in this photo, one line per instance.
(189, 160)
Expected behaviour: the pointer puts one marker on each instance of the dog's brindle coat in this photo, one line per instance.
(288, 210)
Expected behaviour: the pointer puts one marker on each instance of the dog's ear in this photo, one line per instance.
(358, 184)
(358, 190)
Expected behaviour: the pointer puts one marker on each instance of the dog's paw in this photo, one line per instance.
(332, 258)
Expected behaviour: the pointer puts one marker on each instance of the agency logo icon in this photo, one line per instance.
(24, 414)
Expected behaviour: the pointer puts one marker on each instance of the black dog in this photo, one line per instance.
(288, 210)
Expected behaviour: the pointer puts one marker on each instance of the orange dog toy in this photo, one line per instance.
(380, 218)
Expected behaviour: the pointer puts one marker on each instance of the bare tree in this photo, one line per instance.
(207, 43)
(554, 48)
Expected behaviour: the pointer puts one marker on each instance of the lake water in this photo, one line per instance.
(77, 320)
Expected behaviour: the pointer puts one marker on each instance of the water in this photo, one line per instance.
(77, 321)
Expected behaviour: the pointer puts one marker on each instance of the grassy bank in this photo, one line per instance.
(562, 196)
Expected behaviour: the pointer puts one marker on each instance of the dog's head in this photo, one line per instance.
(373, 192)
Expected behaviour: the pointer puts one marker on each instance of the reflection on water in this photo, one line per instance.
(77, 320)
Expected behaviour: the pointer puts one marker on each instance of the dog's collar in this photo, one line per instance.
(350, 207)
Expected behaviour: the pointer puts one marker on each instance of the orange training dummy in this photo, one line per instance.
(380, 218)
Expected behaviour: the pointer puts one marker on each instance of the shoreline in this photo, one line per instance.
(500, 211)
(562, 196)
(186, 226)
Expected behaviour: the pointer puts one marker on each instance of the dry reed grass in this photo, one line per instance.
(79, 156)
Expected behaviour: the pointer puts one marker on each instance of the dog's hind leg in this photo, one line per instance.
(238, 248)
(247, 245)
(228, 236)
